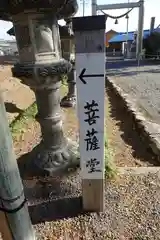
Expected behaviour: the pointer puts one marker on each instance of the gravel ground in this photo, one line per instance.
(132, 201)
(143, 85)
(132, 211)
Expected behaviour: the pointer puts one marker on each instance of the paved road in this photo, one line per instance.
(142, 84)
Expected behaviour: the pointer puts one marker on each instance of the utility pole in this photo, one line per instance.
(15, 222)
(152, 24)
(127, 32)
(84, 2)
(83, 7)
(140, 30)
(94, 7)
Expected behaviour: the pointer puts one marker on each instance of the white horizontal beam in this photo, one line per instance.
(118, 6)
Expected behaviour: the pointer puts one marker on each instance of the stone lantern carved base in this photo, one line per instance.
(54, 162)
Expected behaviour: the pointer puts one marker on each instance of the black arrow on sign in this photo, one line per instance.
(82, 75)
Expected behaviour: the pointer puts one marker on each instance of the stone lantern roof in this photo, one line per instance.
(62, 8)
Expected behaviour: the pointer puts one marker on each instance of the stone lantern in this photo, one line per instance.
(40, 67)
(68, 53)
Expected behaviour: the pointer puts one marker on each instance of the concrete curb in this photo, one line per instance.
(148, 131)
(138, 170)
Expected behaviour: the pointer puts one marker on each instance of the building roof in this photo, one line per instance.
(111, 30)
(121, 37)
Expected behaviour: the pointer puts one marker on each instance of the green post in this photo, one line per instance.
(15, 222)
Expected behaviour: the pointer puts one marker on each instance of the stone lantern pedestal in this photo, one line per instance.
(40, 66)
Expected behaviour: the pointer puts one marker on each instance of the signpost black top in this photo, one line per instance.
(89, 23)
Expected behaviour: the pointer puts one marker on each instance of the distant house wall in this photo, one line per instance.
(116, 46)
(109, 35)
(8, 60)
(8, 46)
(114, 49)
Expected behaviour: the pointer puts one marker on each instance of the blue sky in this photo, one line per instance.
(152, 8)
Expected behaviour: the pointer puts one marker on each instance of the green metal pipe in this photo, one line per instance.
(12, 199)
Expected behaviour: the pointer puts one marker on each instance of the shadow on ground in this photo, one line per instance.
(56, 210)
(12, 108)
(124, 72)
(50, 198)
(129, 133)
(121, 64)
(127, 68)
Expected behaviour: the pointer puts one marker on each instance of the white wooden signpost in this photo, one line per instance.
(90, 81)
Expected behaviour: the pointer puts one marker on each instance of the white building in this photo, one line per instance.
(8, 47)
